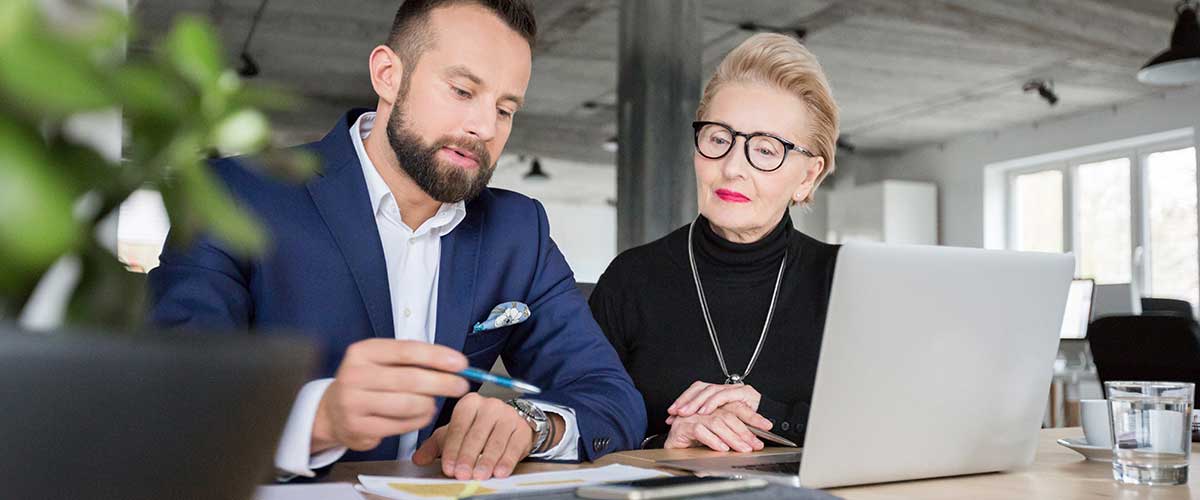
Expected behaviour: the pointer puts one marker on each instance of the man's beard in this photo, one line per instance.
(443, 182)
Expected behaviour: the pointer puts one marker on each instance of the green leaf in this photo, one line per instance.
(295, 165)
(51, 78)
(243, 132)
(94, 302)
(107, 32)
(144, 91)
(260, 96)
(86, 167)
(223, 218)
(36, 221)
(18, 18)
(194, 49)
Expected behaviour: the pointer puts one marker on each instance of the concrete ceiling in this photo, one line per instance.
(905, 72)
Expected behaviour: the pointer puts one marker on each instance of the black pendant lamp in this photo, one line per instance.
(1180, 64)
(535, 171)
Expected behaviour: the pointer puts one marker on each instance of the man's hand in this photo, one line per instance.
(383, 388)
(486, 437)
(721, 430)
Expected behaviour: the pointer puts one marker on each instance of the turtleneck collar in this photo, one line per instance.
(722, 254)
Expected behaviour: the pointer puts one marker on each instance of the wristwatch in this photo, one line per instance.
(536, 418)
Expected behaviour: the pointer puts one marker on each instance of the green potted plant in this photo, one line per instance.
(127, 416)
(179, 106)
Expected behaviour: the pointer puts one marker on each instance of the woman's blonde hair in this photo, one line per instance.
(782, 62)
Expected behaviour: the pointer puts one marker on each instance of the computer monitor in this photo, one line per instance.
(1079, 310)
(143, 416)
(1117, 299)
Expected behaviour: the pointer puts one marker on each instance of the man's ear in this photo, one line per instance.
(387, 73)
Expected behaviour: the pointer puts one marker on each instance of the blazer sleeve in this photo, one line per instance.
(561, 349)
(201, 287)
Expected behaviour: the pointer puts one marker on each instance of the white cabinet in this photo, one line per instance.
(889, 211)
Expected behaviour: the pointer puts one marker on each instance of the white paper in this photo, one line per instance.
(327, 491)
(402, 488)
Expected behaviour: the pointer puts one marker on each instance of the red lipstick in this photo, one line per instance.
(732, 196)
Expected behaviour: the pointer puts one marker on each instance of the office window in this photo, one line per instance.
(1129, 214)
(1037, 211)
(1102, 221)
(1171, 216)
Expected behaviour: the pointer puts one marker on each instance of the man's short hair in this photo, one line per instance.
(411, 35)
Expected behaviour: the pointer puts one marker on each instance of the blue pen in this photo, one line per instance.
(504, 314)
(505, 382)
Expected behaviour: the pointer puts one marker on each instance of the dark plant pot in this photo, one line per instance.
(144, 416)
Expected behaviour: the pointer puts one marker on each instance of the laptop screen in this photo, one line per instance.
(1079, 310)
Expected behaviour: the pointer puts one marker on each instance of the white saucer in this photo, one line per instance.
(1090, 452)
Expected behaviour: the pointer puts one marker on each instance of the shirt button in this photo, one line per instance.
(785, 425)
(412, 241)
(407, 312)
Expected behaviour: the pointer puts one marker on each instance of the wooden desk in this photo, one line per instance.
(1057, 473)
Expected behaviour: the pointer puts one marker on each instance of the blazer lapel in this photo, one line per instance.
(340, 195)
(456, 280)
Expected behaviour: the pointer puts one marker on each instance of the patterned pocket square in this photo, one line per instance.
(505, 314)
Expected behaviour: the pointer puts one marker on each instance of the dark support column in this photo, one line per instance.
(657, 93)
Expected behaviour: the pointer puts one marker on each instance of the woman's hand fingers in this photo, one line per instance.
(743, 393)
(690, 408)
(748, 415)
(727, 434)
(686, 397)
(738, 427)
(708, 438)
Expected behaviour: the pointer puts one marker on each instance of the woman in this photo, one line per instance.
(719, 323)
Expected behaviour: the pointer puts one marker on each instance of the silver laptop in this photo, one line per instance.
(935, 361)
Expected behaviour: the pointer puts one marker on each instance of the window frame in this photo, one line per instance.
(1139, 226)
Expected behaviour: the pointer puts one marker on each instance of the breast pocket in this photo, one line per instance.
(484, 343)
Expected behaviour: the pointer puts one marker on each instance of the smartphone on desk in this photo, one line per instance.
(668, 487)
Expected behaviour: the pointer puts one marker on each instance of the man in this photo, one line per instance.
(396, 249)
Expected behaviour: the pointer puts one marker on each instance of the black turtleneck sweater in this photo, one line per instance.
(646, 304)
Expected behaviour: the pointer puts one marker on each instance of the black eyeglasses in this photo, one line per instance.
(766, 152)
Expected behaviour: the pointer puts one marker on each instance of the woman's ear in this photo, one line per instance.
(387, 73)
(809, 181)
(814, 171)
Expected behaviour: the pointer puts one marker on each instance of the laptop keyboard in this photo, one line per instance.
(781, 467)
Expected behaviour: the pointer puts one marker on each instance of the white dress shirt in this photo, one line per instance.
(413, 258)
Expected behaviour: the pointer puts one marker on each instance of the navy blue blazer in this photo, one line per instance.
(325, 276)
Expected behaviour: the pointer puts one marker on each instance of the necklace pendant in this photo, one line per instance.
(734, 379)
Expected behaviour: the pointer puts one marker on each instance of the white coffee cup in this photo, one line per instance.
(1097, 425)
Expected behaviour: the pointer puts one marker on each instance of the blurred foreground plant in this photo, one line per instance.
(180, 105)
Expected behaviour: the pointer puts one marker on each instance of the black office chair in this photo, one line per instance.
(586, 288)
(1146, 348)
(1172, 306)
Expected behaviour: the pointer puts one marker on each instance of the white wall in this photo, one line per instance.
(957, 166)
(582, 221)
(576, 197)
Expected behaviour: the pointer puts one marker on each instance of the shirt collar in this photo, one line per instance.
(448, 216)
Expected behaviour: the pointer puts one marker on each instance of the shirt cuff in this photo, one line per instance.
(567, 447)
(294, 455)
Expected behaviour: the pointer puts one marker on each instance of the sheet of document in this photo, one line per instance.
(403, 488)
(330, 491)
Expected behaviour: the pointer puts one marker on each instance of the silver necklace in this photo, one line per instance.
(712, 332)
